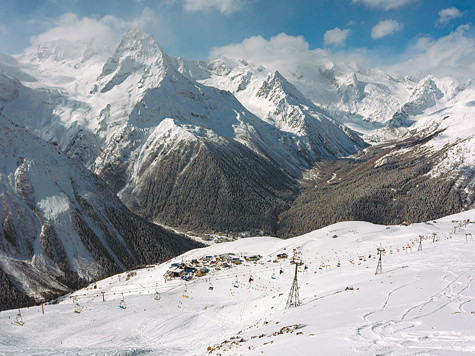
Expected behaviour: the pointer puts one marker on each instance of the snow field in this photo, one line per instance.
(423, 303)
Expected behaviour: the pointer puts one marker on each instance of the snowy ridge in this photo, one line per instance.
(423, 96)
(33, 200)
(139, 85)
(276, 101)
(449, 118)
(423, 299)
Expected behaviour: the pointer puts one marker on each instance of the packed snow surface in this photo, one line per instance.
(422, 303)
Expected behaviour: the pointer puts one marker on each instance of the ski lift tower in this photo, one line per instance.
(294, 299)
(379, 267)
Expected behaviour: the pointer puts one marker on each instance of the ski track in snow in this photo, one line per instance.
(399, 333)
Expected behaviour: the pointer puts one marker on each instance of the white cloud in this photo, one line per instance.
(3, 29)
(336, 37)
(224, 6)
(107, 30)
(447, 15)
(290, 55)
(385, 28)
(148, 16)
(384, 4)
(453, 54)
(281, 51)
(450, 55)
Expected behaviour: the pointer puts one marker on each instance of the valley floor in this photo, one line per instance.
(423, 302)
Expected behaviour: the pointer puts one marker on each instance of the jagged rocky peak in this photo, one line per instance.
(276, 87)
(427, 88)
(351, 90)
(223, 66)
(423, 96)
(137, 53)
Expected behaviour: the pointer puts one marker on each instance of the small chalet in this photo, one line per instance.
(253, 258)
(174, 272)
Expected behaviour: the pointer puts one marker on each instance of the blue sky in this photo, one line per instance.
(381, 31)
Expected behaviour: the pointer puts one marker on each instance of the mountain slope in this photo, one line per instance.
(422, 302)
(61, 225)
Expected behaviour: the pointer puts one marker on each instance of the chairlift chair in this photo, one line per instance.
(122, 303)
(157, 295)
(19, 319)
(210, 286)
(77, 308)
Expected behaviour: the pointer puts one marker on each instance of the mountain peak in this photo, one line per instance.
(136, 39)
(137, 54)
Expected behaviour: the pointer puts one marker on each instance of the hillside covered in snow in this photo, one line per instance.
(421, 302)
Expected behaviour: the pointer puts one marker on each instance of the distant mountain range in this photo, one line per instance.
(210, 146)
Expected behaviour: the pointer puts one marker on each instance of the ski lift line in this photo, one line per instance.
(221, 277)
(151, 288)
(243, 273)
(227, 275)
(125, 290)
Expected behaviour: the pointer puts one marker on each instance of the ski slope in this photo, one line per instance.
(423, 302)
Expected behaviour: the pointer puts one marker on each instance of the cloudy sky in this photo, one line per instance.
(436, 33)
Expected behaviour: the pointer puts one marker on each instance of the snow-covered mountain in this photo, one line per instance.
(276, 101)
(364, 99)
(61, 224)
(179, 140)
(153, 133)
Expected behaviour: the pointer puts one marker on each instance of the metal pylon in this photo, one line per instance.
(294, 299)
(379, 267)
